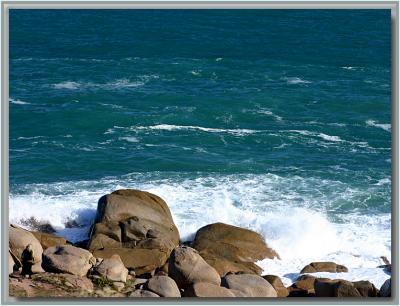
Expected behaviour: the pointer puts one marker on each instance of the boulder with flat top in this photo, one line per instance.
(229, 248)
(136, 225)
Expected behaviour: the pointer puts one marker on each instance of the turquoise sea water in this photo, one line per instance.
(276, 120)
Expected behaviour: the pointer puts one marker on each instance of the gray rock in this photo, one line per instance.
(251, 285)
(113, 269)
(187, 267)
(386, 289)
(164, 286)
(143, 294)
(68, 259)
(207, 290)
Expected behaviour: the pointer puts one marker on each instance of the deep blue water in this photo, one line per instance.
(266, 109)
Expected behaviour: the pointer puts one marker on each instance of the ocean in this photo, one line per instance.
(274, 120)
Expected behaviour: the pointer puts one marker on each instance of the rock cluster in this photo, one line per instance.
(134, 251)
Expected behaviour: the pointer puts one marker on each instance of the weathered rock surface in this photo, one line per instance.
(164, 286)
(51, 285)
(207, 290)
(19, 239)
(136, 225)
(251, 285)
(68, 259)
(326, 266)
(276, 282)
(386, 289)
(232, 249)
(303, 286)
(140, 293)
(187, 267)
(366, 288)
(112, 269)
(49, 240)
(335, 288)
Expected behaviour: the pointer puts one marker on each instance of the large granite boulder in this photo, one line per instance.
(325, 266)
(136, 225)
(187, 267)
(205, 290)
(49, 240)
(112, 269)
(232, 249)
(164, 286)
(276, 282)
(68, 259)
(249, 284)
(19, 238)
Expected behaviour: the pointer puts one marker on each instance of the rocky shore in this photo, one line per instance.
(134, 250)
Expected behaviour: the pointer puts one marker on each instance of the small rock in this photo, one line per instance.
(386, 289)
(119, 285)
(164, 286)
(276, 282)
(366, 288)
(335, 288)
(251, 285)
(139, 281)
(323, 267)
(187, 267)
(113, 269)
(207, 290)
(143, 294)
(67, 259)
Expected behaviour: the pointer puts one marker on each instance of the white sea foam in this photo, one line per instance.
(170, 127)
(329, 138)
(129, 139)
(316, 134)
(28, 138)
(348, 67)
(218, 59)
(293, 218)
(195, 72)
(116, 84)
(386, 126)
(295, 80)
(269, 113)
(16, 101)
(67, 85)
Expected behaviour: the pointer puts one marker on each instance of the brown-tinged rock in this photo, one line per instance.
(112, 269)
(326, 266)
(68, 259)
(232, 249)
(187, 267)
(136, 225)
(49, 240)
(19, 238)
(164, 286)
(251, 285)
(205, 290)
(276, 282)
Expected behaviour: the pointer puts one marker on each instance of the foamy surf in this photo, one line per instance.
(17, 101)
(385, 126)
(297, 224)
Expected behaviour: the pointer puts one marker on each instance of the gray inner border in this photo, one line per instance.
(392, 5)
